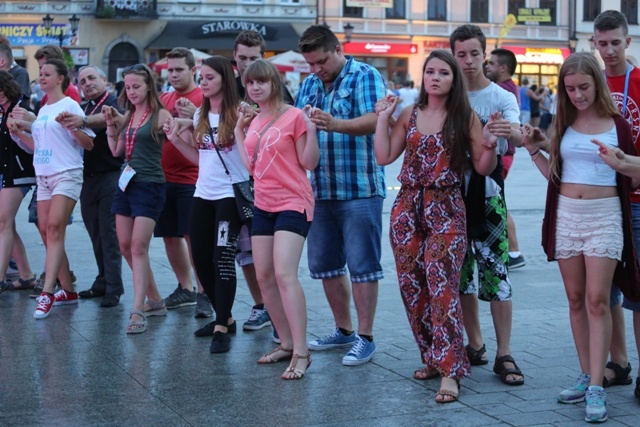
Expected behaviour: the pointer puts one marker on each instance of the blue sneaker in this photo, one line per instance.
(360, 353)
(596, 411)
(276, 337)
(576, 392)
(258, 319)
(333, 340)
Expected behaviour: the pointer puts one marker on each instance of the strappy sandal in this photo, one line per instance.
(447, 396)
(137, 327)
(276, 356)
(18, 285)
(155, 308)
(504, 372)
(621, 375)
(425, 373)
(475, 356)
(298, 374)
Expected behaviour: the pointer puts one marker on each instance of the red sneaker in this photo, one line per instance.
(63, 297)
(45, 303)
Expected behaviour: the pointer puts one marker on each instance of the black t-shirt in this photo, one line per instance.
(100, 159)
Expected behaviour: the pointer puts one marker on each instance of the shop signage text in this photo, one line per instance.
(226, 28)
(534, 14)
(369, 3)
(380, 48)
(35, 34)
(532, 55)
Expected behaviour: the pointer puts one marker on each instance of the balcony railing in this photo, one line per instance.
(126, 9)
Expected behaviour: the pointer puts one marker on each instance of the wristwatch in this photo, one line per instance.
(85, 120)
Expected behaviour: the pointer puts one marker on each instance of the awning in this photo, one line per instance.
(221, 35)
(290, 61)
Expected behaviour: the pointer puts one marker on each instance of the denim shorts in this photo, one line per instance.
(346, 233)
(267, 223)
(141, 199)
(175, 218)
(635, 220)
(66, 183)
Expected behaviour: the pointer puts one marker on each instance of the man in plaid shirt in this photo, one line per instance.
(348, 186)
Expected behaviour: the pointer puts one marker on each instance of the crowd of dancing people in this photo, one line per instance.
(173, 165)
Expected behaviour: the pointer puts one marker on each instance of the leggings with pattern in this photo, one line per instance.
(428, 237)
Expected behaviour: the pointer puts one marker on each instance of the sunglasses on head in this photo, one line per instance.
(134, 69)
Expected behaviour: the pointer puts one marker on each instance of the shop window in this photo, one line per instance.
(437, 10)
(591, 9)
(630, 9)
(398, 11)
(552, 6)
(514, 5)
(479, 10)
(351, 11)
(289, 1)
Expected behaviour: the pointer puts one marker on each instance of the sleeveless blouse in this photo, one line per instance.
(426, 160)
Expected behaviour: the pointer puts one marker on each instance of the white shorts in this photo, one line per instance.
(589, 227)
(67, 183)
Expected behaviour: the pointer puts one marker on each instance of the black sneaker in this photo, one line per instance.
(207, 330)
(516, 262)
(220, 343)
(181, 298)
(203, 306)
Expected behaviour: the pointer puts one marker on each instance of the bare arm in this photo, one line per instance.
(363, 125)
(182, 140)
(619, 161)
(533, 140)
(307, 146)
(84, 140)
(387, 147)
(483, 147)
(245, 115)
(115, 137)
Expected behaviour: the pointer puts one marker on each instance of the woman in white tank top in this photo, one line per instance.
(587, 227)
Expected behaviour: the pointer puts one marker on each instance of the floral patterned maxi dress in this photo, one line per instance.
(428, 237)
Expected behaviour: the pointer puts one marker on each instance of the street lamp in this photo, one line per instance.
(573, 42)
(592, 43)
(74, 21)
(348, 32)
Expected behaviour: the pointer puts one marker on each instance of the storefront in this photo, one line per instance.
(540, 65)
(390, 59)
(218, 37)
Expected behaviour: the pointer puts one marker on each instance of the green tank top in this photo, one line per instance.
(146, 157)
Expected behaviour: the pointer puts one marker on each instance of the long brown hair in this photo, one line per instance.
(153, 100)
(228, 108)
(566, 112)
(456, 129)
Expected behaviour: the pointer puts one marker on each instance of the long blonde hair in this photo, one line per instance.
(567, 113)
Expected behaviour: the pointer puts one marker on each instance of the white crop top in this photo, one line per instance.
(581, 163)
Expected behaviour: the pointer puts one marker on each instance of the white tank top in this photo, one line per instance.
(581, 163)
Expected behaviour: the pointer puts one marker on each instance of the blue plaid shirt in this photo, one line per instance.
(347, 168)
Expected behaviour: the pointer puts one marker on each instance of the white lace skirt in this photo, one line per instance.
(589, 227)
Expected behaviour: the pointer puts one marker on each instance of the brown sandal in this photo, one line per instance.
(425, 373)
(276, 356)
(447, 396)
(293, 367)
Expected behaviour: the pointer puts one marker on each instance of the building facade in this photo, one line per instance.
(116, 33)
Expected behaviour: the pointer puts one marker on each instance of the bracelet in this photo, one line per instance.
(535, 152)
(490, 147)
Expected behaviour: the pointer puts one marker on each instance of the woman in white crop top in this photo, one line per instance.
(588, 220)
